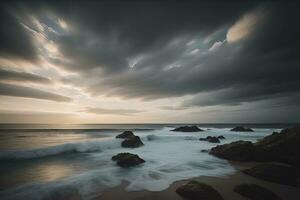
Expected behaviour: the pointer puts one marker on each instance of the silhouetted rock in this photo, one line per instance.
(127, 159)
(204, 139)
(196, 190)
(221, 137)
(125, 134)
(241, 129)
(132, 142)
(279, 147)
(276, 173)
(255, 192)
(239, 151)
(204, 150)
(211, 139)
(187, 129)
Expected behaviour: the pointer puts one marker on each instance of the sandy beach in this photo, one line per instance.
(224, 186)
(157, 164)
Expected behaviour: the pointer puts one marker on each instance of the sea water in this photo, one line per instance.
(52, 161)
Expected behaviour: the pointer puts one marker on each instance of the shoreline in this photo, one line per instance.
(94, 185)
(224, 185)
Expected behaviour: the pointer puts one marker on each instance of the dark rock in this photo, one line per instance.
(125, 134)
(241, 129)
(277, 173)
(127, 159)
(221, 137)
(205, 139)
(132, 142)
(187, 129)
(255, 192)
(279, 147)
(204, 150)
(196, 190)
(239, 151)
(211, 139)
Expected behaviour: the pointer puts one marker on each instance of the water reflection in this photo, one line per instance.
(28, 140)
(53, 171)
(44, 170)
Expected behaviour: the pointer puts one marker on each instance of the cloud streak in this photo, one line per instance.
(8, 75)
(148, 51)
(25, 116)
(15, 42)
(27, 92)
(171, 71)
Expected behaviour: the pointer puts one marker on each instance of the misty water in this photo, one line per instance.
(41, 162)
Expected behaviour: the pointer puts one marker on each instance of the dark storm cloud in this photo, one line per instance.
(266, 66)
(105, 111)
(263, 59)
(8, 75)
(238, 95)
(15, 42)
(106, 34)
(27, 92)
(138, 49)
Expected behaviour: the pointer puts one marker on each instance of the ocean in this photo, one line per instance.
(49, 161)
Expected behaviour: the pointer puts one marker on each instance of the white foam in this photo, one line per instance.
(78, 147)
(169, 156)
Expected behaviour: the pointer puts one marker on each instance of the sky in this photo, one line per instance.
(149, 61)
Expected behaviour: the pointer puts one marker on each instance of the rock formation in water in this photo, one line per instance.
(187, 129)
(211, 139)
(132, 142)
(241, 129)
(125, 134)
(279, 147)
(237, 151)
(127, 159)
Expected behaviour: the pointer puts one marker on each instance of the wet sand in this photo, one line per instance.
(224, 185)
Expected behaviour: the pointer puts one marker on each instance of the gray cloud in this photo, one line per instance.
(9, 75)
(27, 92)
(172, 107)
(139, 49)
(249, 93)
(105, 111)
(124, 31)
(15, 41)
(259, 61)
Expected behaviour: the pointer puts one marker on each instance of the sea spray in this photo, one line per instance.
(169, 157)
(78, 147)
